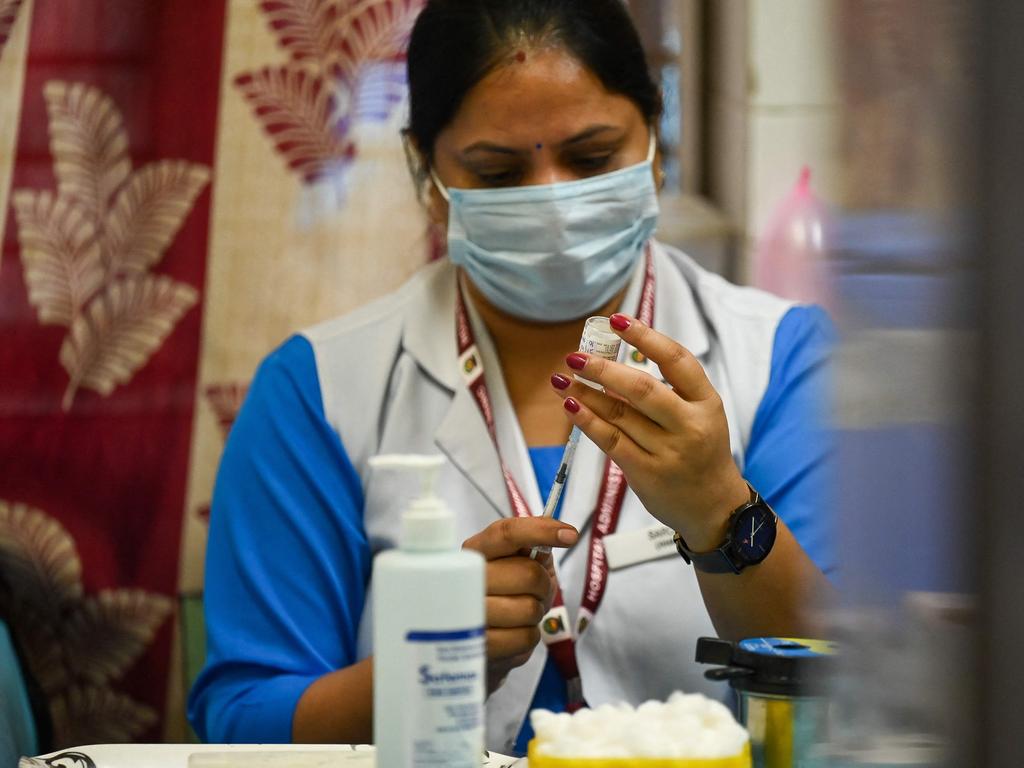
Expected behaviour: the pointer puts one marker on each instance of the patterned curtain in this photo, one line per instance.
(184, 183)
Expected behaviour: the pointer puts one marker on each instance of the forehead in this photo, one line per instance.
(538, 95)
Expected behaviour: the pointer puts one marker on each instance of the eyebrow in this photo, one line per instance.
(487, 146)
(589, 133)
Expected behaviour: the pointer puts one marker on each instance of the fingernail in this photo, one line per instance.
(558, 381)
(576, 361)
(567, 536)
(571, 405)
(619, 322)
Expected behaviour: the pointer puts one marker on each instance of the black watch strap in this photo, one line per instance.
(715, 561)
(722, 559)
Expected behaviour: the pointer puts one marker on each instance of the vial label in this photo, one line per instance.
(609, 350)
(599, 341)
(447, 727)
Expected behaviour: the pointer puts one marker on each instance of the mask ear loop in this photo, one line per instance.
(651, 152)
(440, 185)
(415, 162)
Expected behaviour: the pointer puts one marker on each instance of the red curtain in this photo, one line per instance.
(104, 261)
(184, 183)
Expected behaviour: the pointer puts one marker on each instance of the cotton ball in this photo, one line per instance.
(650, 707)
(685, 726)
(546, 724)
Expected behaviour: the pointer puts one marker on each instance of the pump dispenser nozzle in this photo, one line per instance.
(427, 524)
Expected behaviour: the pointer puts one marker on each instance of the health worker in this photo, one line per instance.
(698, 501)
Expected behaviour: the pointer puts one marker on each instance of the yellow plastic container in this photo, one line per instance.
(741, 760)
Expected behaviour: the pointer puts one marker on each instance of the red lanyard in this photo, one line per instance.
(555, 628)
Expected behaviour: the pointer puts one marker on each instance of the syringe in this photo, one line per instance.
(600, 341)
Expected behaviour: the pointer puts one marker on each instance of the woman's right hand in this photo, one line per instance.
(519, 590)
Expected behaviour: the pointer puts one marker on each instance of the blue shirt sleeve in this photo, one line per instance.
(791, 455)
(287, 561)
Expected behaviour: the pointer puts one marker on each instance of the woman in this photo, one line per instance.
(533, 122)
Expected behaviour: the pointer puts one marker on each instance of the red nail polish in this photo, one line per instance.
(571, 405)
(576, 361)
(558, 381)
(619, 322)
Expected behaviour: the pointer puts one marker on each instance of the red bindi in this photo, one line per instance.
(520, 56)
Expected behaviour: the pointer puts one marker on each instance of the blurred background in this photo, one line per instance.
(184, 183)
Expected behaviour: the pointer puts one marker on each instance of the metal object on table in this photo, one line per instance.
(781, 687)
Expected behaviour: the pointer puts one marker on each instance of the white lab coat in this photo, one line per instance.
(391, 384)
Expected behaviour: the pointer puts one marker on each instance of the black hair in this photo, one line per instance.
(456, 43)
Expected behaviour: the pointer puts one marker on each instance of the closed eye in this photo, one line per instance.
(592, 163)
(506, 178)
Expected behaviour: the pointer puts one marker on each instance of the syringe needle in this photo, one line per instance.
(560, 479)
(598, 340)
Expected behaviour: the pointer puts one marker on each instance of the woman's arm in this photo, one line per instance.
(673, 446)
(777, 598)
(337, 708)
(287, 560)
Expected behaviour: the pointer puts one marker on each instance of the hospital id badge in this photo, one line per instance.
(634, 547)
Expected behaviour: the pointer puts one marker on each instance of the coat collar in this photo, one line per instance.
(429, 337)
(428, 329)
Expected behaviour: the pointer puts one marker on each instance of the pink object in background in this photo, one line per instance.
(791, 257)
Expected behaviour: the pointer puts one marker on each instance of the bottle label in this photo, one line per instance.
(604, 345)
(448, 701)
(608, 349)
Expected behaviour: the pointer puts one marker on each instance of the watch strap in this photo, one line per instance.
(715, 561)
(718, 560)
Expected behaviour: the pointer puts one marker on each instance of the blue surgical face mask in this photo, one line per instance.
(553, 252)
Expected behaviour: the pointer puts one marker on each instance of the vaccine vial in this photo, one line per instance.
(599, 340)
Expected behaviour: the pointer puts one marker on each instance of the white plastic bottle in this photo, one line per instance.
(428, 637)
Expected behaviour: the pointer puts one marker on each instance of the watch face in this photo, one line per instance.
(754, 533)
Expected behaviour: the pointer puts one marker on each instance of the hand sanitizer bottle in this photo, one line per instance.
(428, 637)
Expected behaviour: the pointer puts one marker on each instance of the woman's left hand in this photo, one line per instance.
(672, 442)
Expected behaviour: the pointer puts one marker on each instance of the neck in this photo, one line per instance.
(517, 340)
(529, 353)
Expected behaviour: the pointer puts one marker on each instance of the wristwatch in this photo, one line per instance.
(752, 530)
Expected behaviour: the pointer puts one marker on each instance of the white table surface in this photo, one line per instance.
(225, 756)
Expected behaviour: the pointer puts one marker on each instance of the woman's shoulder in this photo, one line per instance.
(706, 312)
(750, 332)
(726, 305)
(717, 295)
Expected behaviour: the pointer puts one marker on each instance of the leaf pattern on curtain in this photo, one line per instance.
(8, 15)
(60, 253)
(297, 110)
(88, 143)
(77, 645)
(304, 28)
(226, 401)
(87, 250)
(346, 67)
(148, 212)
(119, 331)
